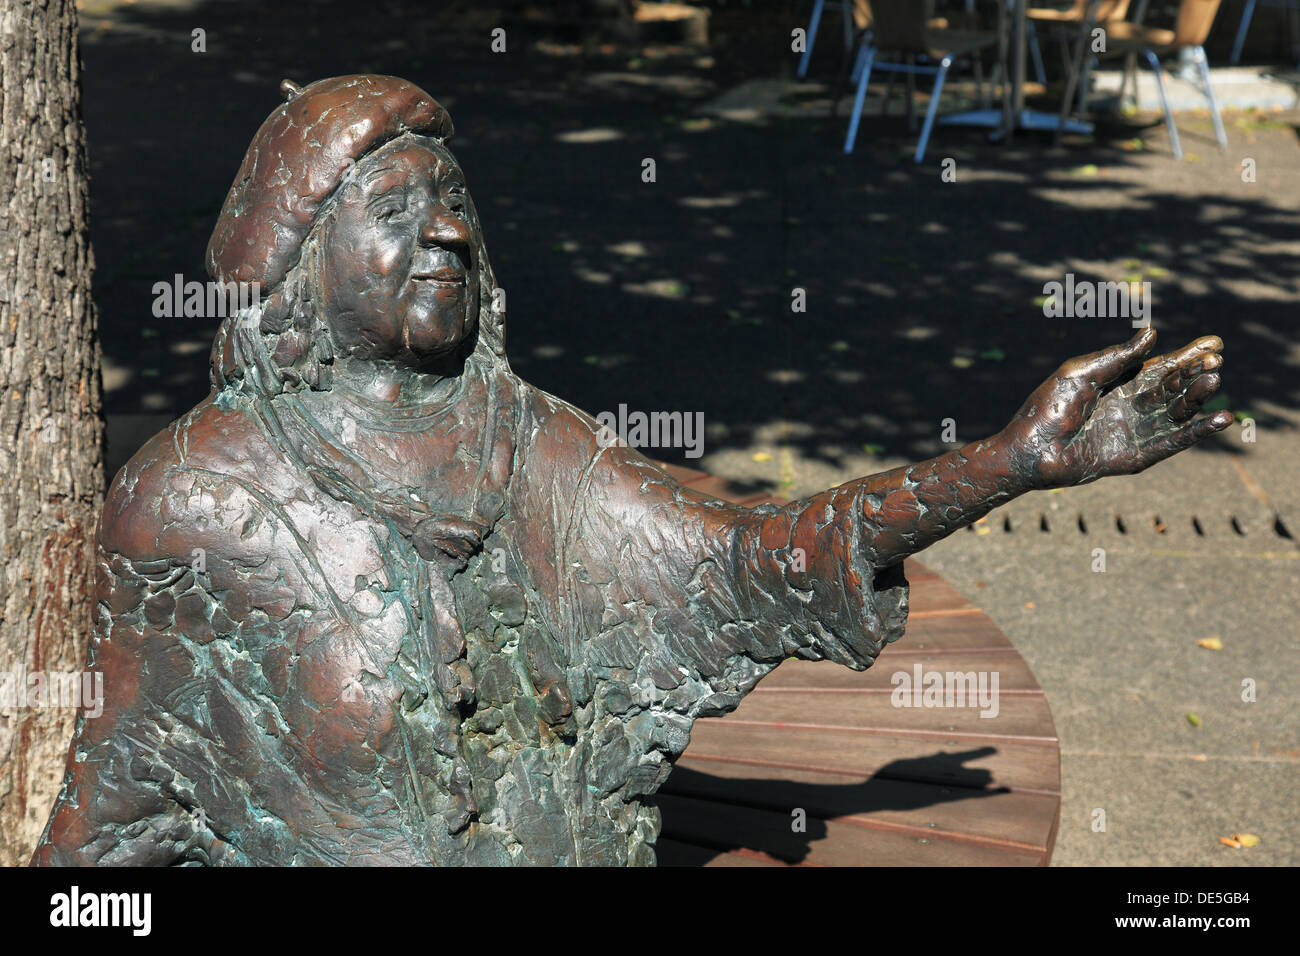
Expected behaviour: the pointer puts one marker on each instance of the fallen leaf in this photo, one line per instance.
(1031, 605)
(1246, 839)
(1200, 758)
(762, 456)
(983, 531)
(1210, 643)
(961, 361)
(1194, 720)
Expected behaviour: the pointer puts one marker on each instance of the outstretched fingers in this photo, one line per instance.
(1186, 437)
(1187, 404)
(1194, 351)
(1182, 389)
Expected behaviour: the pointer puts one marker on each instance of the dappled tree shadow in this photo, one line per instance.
(676, 294)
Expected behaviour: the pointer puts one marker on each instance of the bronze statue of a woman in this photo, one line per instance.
(377, 600)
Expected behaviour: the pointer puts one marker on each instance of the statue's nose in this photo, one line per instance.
(444, 228)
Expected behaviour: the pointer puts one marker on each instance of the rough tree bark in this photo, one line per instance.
(51, 431)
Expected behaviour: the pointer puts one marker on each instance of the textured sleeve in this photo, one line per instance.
(688, 601)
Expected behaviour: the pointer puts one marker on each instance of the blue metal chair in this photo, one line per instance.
(854, 15)
(903, 27)
(1065, 24)
(1247, 15)
(1191, 27)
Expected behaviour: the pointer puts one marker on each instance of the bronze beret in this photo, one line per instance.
(297, 159)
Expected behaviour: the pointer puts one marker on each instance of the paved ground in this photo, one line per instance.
(923, 303)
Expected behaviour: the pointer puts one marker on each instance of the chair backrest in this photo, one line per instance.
(900, 24)
(1195, 17)
(861, 14)
(1107, 10)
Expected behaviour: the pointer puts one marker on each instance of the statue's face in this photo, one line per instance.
(398, 278)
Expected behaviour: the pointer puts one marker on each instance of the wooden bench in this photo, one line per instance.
(873, 784)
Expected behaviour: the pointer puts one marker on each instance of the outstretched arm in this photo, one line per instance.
(1092, 418)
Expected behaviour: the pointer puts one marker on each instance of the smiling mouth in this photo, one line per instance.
(442, 278)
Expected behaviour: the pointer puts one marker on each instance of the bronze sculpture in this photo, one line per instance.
(377, 600)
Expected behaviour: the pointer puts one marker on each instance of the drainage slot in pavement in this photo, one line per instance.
(1158, 525)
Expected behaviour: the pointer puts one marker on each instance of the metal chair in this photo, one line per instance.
(903, 27)
(1248, 14)
(1065, 23)
(855, 15)
(1191, 27)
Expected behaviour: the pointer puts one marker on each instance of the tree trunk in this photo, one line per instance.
(51, 428)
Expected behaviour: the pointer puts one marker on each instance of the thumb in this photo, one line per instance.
(1102, 368)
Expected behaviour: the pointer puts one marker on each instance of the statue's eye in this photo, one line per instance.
(455, 200)
(387, 210)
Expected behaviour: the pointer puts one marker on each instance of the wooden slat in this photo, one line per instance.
(825, 843)
(1014, 764)
(993, 818)
(948, 634)
(917, 572)
(1013, 673)
(938, 595)
(674, 853)
(1025, 717)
